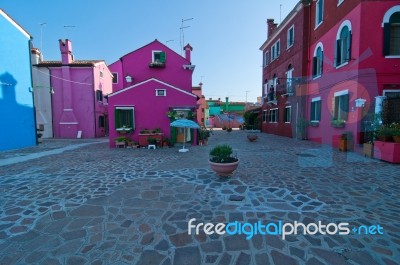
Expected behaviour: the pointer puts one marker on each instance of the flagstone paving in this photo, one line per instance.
(79, 202)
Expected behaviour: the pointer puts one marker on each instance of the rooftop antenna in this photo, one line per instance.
(66, 28)
(280, 13)
(41, 35)
(182, 37)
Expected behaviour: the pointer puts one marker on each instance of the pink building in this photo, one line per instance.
(349, 66)
(150, 83)
(78, 105)
(201, 103)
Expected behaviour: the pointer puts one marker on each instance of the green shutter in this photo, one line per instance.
(132, 113)
(322, 62)
(314, 66)
(318, 110)
(335, 107)
(312, 112)
(338, 56)
(386, 39)
(117, 118)
(162, 57)
(349, 37)
(345, 100)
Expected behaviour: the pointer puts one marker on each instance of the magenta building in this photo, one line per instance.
(78, 102)
(149, 83)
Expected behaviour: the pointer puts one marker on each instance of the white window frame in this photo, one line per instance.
(126, 108)
(290, 114)
(153, 55)
(312, 101)
(265, 116)
(289, 77)
(319, 45)
(164, 94)
(266, 58)
(317, 15)
(386, 19)
(289, 45)
(347, 24)
(338, 94)
(116, 75)
(275, 50)
(275, 115)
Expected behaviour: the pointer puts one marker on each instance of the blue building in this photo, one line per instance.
(17, 116)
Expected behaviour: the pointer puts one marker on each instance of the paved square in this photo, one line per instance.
(79, 202)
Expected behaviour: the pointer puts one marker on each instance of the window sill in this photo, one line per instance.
(316, 77)
(392, 56)
(342, 65)
(317, 26)
(314, 123)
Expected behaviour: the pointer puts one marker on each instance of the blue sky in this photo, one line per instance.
(225, 35)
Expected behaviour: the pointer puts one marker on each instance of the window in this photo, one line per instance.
(124, 117)
(266, 58)
(264, 116)
(275, 50)
(115, 78)
(101, 73)
(102, 121)
(318, 59)
(391, 31)
(319, 12)
(288, 114)
(290, 37)
(341, 105)
(343, 46)
(158, 57)
(99, 95)
(315, 114)
(273, 115)
(339, 2)
(161, 92)
(289, 79)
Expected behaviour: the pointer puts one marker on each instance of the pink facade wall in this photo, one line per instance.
(136, 64)
(150, 111)
(74, 104)
(361, 76)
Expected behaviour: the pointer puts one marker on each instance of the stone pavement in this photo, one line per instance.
(79, 202)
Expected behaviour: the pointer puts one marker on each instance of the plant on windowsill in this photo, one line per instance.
(156, 64)
(338, 123)
(124, 129)
(222, 161)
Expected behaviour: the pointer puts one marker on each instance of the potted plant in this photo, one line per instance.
(203, 136)
(120, 141)
(339, 123)
(252, 137)
(222, 161)
(385, 133)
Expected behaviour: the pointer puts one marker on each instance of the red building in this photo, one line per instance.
(201, 104)
(285, 54)
(354, 57)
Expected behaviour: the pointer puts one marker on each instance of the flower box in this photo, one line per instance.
(387, 151)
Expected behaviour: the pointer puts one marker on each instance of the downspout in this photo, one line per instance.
(51, 105)
(30, 46)
(94, 104)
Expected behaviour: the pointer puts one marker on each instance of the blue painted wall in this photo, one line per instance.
(17, 121)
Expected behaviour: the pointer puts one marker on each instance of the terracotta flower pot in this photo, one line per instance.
(252, 137)
(224, 169)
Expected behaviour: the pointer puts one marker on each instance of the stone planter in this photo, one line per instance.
(252, 137)
(224, 169)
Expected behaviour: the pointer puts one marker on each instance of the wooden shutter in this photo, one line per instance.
(117, 118)
(162, 57)
(318, 110)
(386, 39)
(345, 100)
(312, 114)
(349, 37)
(314, 66)
(337, 49)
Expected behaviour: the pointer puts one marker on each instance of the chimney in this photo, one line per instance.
(271, 27)
(66, 51)
(188, 49)
(36, 56)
